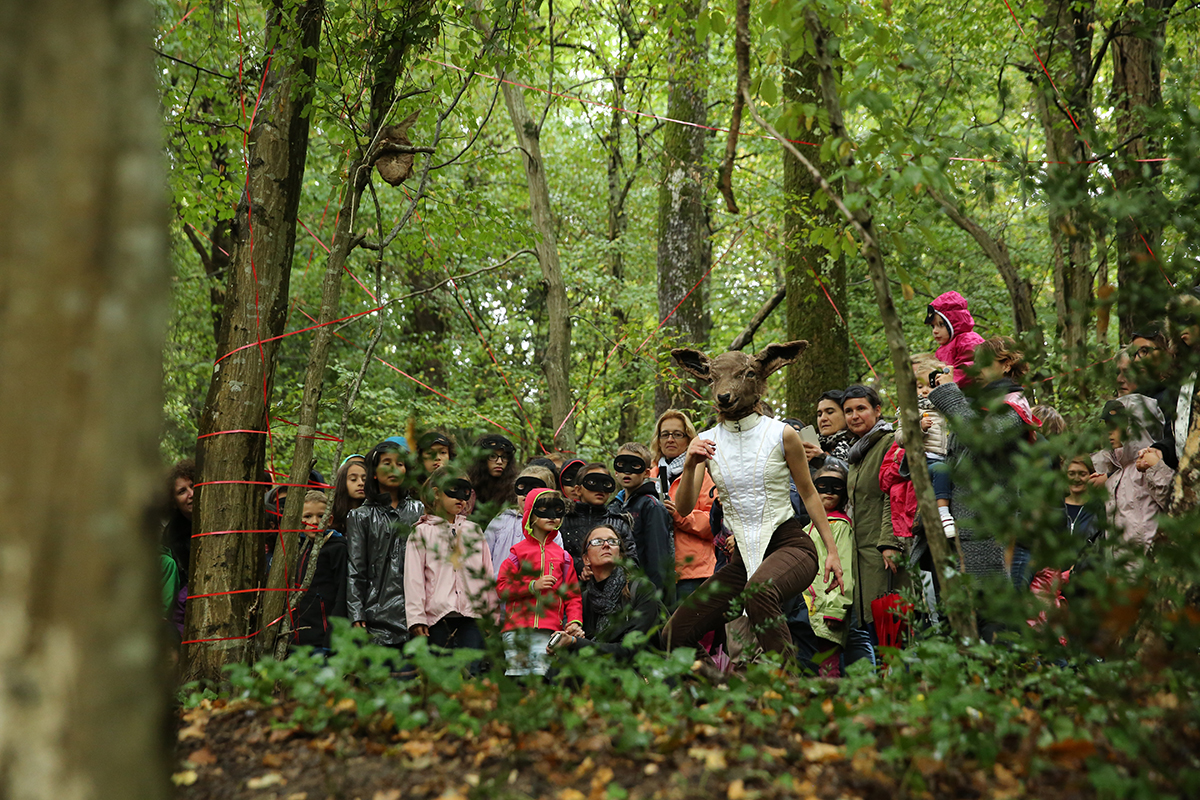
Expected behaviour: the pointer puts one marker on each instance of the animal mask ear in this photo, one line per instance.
(774, 357)
(693, 361)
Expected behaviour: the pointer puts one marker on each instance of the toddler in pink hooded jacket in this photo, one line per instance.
(954, 332)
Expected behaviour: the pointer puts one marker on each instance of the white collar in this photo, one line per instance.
(743, 424)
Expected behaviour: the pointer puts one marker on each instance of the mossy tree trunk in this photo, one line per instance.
(808, 268)
(256, 296)
(684, 249)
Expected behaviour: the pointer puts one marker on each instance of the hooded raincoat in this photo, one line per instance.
(959, 352)
(529, 559)
(1135, 498)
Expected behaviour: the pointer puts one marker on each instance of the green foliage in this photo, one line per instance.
(936, 703)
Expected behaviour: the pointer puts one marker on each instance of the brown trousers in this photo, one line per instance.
(788, 568)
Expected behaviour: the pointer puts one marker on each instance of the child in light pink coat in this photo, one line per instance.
(954, 331)
(448, 575)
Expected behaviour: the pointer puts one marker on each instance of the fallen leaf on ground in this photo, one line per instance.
(266, 781)
(185, 778)
(712, 757)
(274, 760)
(281, 735)
(202, 757)
(387, 794)
(821, 752)
(346, 705)
(1071, 750)
(571, 794)
(736, 790)
(194, 731)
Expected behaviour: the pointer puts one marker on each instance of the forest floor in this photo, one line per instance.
(245, 748)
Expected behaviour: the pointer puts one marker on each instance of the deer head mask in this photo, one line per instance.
(738, 380)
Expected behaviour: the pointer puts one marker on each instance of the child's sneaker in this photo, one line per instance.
(948, 522)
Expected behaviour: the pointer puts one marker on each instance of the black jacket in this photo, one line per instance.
(653, 534)
(644, 612)
(177, 538)
(376, 537)
(326, 595)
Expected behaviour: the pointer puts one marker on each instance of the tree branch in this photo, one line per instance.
(758, 319)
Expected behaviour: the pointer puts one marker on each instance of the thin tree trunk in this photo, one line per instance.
(684, 252)
(83, 277)
(255, 309)
(1020, 290)
(557, 363)
(808, 269)
(747, 335)
(393, 50)
(1137, 88)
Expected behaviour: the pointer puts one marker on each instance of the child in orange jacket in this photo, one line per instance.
(539, 588)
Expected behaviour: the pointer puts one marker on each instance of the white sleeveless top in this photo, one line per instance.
(752, 477)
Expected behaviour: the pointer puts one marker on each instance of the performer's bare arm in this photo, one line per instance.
(793, 451)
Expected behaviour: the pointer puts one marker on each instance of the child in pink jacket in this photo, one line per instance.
(954, 331)
(448, 584)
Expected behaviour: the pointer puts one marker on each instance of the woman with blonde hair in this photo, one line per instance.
(695, 556)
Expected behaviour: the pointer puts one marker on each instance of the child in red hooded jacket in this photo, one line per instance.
(954, 331)
(539, 588)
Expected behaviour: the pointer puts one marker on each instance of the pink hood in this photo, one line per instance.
(959, 352)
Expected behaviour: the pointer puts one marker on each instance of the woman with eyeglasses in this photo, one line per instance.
(494, 475)
(695, 556)
(505, 530)
(596, 487)
(616, 601)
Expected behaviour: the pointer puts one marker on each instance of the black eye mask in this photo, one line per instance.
(598, 482)
(550, 509)
(828, 484)
(459, 489)
(629, 465)
(529, 483)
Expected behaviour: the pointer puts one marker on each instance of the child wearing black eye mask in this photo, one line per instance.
(653, 530)
(820, 638)
(448, 568)
(538, 587)
(505, 529)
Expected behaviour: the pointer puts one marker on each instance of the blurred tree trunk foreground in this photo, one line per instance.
(83, 307)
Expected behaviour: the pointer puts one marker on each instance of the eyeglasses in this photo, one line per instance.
(665, 435)
(499, 457)
(604, 543)
(1144, 351)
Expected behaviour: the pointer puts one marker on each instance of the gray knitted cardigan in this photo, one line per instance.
(983, 556)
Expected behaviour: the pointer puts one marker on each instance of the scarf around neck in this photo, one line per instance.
(859, 449)
(606, 597)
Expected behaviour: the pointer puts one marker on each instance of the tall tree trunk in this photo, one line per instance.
(83, 282)
(1066, 114)
(556, 365)
(808, 268)
(684, 251)
(392, 51)
(1137, 88)
(255, 309)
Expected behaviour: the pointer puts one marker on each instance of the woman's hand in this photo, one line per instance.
(1097, 479)
(812, 451)
(943, 378)
(890, 559)
(575, 629)
(566, 640)
(700, 450)
(833, 566)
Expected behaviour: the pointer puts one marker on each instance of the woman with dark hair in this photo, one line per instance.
(376, 537)
(349, 490)
(494, 476)
(615, 602)
(833, 437)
